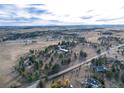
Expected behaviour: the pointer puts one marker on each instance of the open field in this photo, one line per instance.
(9, 53)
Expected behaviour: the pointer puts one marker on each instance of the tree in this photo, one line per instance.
(81, 39)
(36, 75)
(122, 66)
(21, 61)
(31, 51)
(41, 84)
(109, 74)
(46, 50)
(75, 56)
(63, 43)
(32, 58)
(66, 61)
(55, 54)
(98, 51)
(41, 62)
(46, 67)
(51, 59)
(98, 62)
(21, 65)
(37, 65)
(116, 75)
(59, 43)
(61, 56)
(122, 78)
(55, 68)
(29, 78)
(113, 68)
(50, 64)
(83, 54)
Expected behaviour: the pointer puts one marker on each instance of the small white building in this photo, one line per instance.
(27, 41)
(60, 48)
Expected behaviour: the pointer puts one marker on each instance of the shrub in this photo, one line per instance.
(83, 54)
(109, 74)
(66, 61)
(55, 69)
(122, 78)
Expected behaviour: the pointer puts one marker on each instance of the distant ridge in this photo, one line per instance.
(83, 27)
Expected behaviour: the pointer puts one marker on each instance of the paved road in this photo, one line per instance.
(82, 63)
(75, 66)
(32, 85)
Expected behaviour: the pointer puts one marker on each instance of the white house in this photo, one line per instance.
(60, 48)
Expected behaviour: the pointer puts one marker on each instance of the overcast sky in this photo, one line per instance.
(63, 12)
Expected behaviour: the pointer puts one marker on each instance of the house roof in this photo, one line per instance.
(62, 49)
(100, 68)
(93, 83)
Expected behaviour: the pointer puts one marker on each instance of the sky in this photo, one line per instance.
(63, 12)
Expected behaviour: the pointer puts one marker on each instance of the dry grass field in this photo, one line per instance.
(9, 53)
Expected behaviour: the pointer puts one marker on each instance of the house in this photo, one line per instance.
(27, 41)
(49, 38)
(62, 49)
(98, 68)
(92, 83)
(101, 68)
